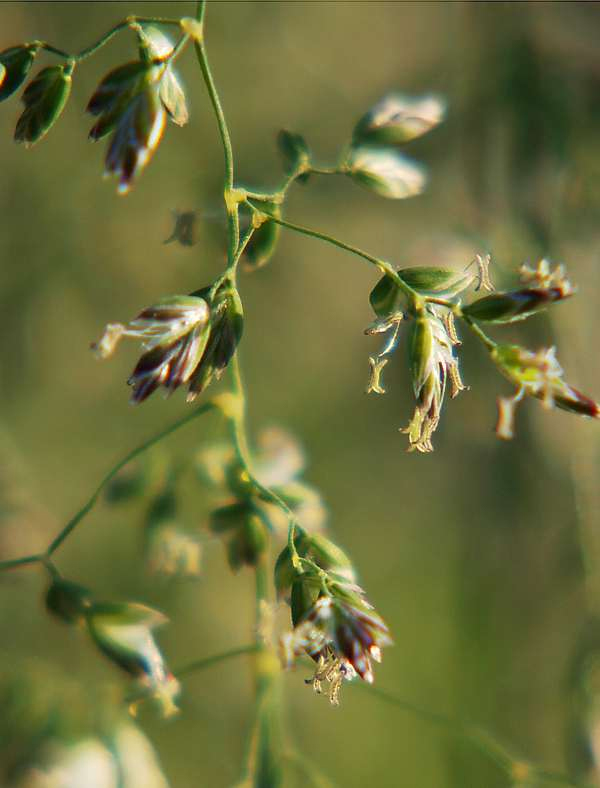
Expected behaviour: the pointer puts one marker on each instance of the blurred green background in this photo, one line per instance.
(483, 556)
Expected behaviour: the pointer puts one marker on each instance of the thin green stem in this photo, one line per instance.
(279, 195)
(207, 662)
(263, 760)
(201, 11)
(91, 50)
(479, 332)
(178, 48)
(478, 738)
(52, 49)
(325, 170)
(124, 25)
(237, 419)
(238, 433)
(231, 205)
(26, 560)
(262, 196)
(382, 265)
(441, 302)
(457, 312)
(232, 267)
(89, 505)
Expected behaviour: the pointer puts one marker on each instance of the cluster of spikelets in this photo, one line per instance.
(133, 101)
(332, 621)
(131, 104)
(187, 340)
(433, 340)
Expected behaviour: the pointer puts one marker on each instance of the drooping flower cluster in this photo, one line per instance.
(132, 103)
(188, 341)
(333, 621)
(433, 337)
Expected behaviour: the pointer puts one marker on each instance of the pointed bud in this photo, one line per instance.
(295, 153)
(15, 64)
(263, 242)
(397, 119)
(44, 98)
(515, 305)
(386, 172)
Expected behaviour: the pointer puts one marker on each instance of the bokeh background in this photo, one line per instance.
(483, 556)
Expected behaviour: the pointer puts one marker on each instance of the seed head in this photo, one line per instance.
(132, 103)
(337, 627)
(174, 333)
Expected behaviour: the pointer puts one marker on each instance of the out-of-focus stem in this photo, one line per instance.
(89, 505)
(207, 662)
(44, 557)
